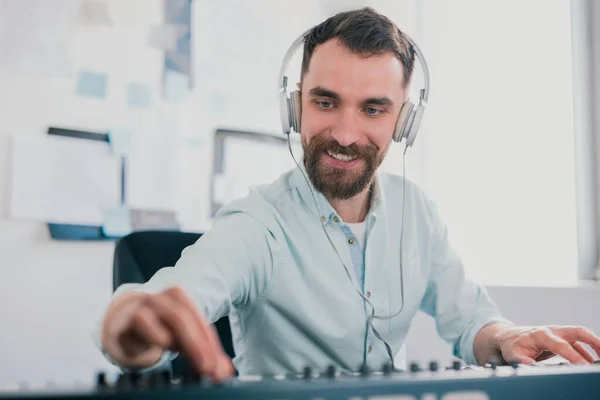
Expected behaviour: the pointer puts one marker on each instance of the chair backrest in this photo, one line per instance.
(140, 254)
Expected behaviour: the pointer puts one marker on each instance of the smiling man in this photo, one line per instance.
(328, 264)
(349, 111)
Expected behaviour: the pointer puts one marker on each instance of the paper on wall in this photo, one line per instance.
(176, 86)
(116, 221)
(248, 162)
(91, 84)
(139, 95)
(119, 139)
(63, 180)
(223, 188)
(165, 37)
(257, 161)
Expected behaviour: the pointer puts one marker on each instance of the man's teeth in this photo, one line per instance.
(341, 157)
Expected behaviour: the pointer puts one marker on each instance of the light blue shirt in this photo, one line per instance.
(267, 263)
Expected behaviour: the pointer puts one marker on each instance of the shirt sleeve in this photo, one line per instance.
(229, 266)
(460, 306)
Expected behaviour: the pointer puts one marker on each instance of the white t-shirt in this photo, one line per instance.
(359, 229)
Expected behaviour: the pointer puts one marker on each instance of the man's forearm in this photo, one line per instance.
(486, 345)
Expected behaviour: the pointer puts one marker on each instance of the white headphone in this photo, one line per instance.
(409, 118)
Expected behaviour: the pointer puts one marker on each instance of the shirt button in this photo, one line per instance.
(370, 349)
(351, 241)
(336, 219)
(323, 219)
(368, 295)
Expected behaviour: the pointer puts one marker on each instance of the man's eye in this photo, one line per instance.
(372, 111)
(325, 105)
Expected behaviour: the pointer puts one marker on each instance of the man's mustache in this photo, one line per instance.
(353, 150)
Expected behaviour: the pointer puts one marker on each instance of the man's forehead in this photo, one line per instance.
(337, 68)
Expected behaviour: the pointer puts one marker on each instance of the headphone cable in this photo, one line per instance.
(372, 315)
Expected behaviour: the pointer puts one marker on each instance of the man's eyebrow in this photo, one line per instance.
(378, 101)
(320, 91)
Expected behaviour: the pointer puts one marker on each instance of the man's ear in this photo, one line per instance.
(299, 86)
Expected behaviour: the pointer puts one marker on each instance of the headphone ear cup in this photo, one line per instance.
(284, 111)
(415, 122)
(404, 121)
(296, 110)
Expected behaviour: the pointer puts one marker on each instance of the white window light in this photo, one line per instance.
(497, 146)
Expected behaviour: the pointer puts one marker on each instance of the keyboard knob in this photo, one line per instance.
(160, 379)
(128, 380)
(514, 364)
(456, 365)
(165, 377)
(494, 362)
(191, 378)
(123, 381)
(414, 367)
(307, 374)
(330, 373)
(153, 380)
(364, 370)
(386, 368)
(433, 366)
(133, 379)
(596, 362)
(101, 380)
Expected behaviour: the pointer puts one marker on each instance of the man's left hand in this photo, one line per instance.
(528, 345)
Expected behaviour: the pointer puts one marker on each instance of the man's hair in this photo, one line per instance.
(364, 32)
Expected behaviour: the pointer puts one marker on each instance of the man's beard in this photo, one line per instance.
(338, 183)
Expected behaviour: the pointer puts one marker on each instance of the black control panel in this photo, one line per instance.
(421, 382)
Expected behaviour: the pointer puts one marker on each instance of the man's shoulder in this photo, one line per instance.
(398, 189)
(395, 185)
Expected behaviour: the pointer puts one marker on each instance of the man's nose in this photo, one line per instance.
(346, 129)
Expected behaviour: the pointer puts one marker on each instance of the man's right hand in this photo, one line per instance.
(139, 327)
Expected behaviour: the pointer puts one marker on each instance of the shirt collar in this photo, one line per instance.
(323, 209)
(378, 196)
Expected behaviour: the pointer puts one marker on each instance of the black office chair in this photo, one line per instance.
(137, 258)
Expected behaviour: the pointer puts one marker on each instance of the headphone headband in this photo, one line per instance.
(287, 58)
(410, 114)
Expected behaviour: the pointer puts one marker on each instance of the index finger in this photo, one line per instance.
(180, 321)
(557, 345)
(182, 298)
(220, 364)
(579, 334)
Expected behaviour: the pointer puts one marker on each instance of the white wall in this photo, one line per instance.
(52, 293)
(50, 296)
